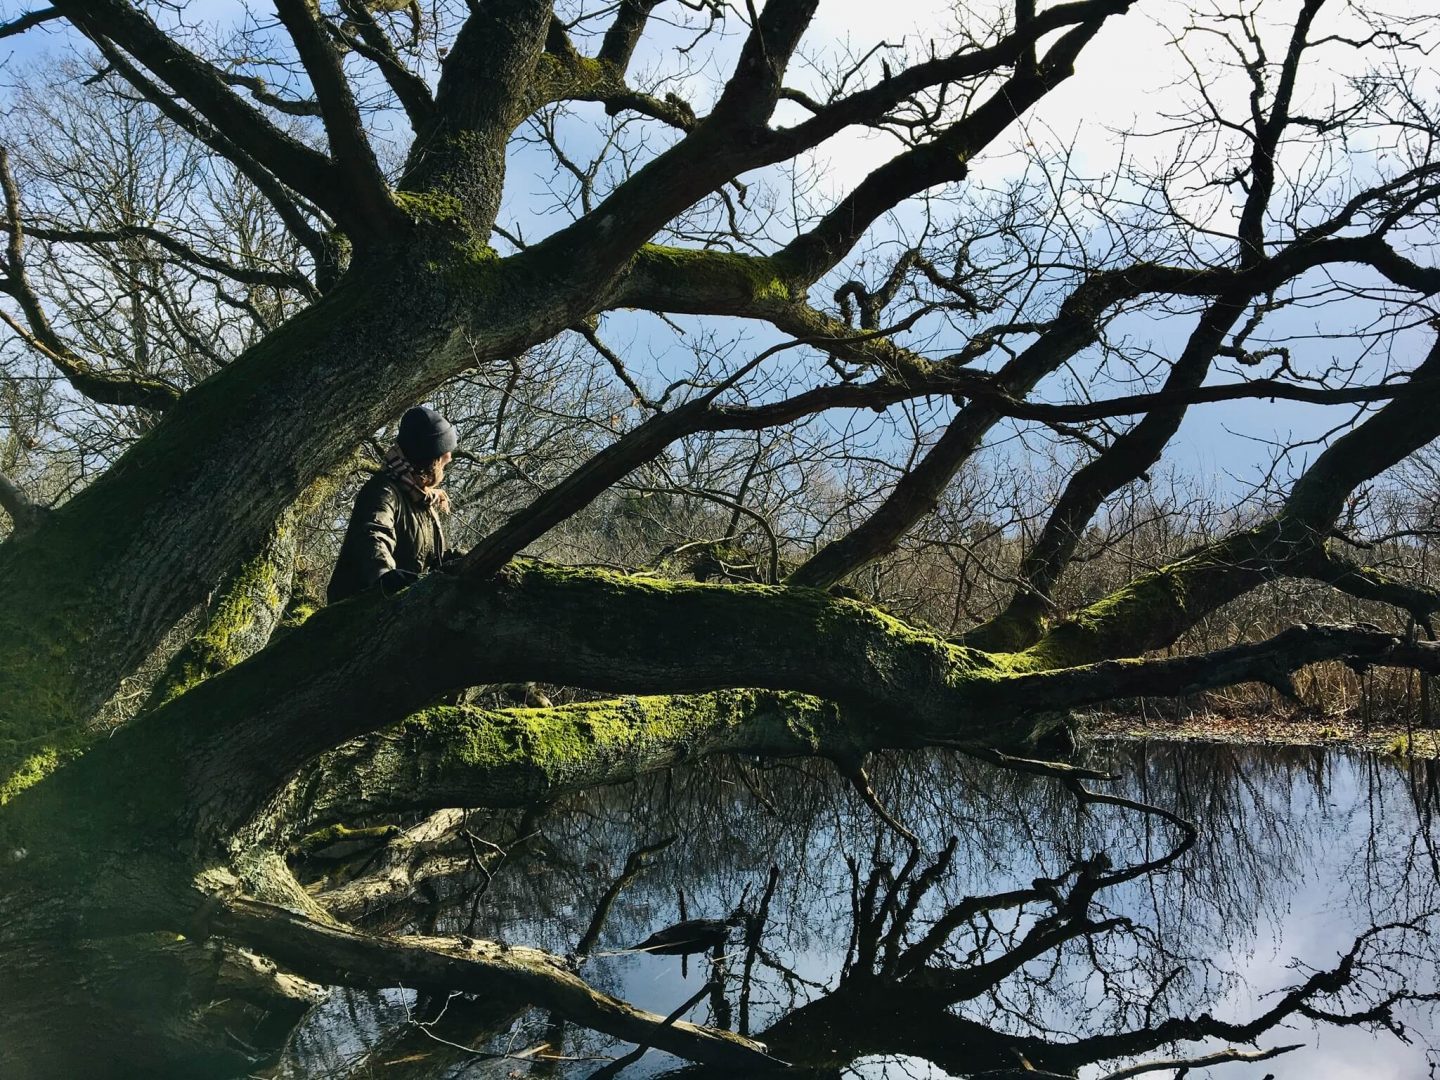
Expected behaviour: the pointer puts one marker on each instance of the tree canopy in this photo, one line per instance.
(764, 452)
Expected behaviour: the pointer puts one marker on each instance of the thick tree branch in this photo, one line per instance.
(1127, 459)
(569, 76)
(732, 139)
(521, 757)
(624, 32)
(337, 954)
(636, 447)
(1367, 583)
(244, 611)
(587, 628)
(1077, 326)
(1266, 142)
(687, 281)
(480, 101)
(465, 756)
(944, 157)
(916, 494)
(364, 188)
(1155, 609)
(473, 757)
(753, 88)
(1394, 432)
(869, 106)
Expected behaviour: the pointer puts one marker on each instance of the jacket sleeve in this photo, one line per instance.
(375, 513)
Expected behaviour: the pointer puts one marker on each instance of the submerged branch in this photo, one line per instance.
(337, 954)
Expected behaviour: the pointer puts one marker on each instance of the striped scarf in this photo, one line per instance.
(399, 469)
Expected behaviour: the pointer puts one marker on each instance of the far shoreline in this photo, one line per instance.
(1339, 732)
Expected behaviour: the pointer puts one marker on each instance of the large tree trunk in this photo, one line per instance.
(91, 591)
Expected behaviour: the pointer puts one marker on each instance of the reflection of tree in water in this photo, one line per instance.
(1025, 932)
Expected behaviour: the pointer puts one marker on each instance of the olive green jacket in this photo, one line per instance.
(387, 532)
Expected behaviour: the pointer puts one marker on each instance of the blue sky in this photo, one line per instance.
(1126, 81)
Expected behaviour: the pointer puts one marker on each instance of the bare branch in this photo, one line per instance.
(245, 275)
(112, 388)
(375, 45)
(322, 249)
(21, 23)
(202, 86)
(355, 167)
(261, 92)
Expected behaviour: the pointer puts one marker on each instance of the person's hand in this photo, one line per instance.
(393, 581)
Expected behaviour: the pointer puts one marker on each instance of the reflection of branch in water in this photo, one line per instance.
(946, 978)
(754, 932)
(1425, 794)
(635, 864)
(479, 967)
(860, 781)
(1220, 1057)
(899, 989)
(1034, 766)
(1189, 834)
(754, 789)
(619, 1065)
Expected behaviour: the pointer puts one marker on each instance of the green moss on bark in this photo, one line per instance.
(1152, 611)
(343, 834)
(749, 278)
(31, 764)
(460, 755)
(249, 607)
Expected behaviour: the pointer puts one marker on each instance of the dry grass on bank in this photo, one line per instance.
(1378, 719)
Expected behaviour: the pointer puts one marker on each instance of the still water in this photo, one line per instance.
(1025, 932)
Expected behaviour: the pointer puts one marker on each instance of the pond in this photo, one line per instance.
(1023, 935)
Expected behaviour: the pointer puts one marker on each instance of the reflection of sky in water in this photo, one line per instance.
(1299, 853)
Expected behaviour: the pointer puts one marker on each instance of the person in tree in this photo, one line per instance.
(395, 533)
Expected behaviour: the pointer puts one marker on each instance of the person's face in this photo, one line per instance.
(440, 464)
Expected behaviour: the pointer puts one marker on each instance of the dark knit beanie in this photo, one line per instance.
(425, 435)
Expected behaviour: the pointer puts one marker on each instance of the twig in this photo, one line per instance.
(1189, 833)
